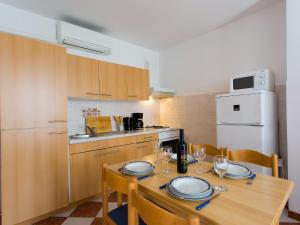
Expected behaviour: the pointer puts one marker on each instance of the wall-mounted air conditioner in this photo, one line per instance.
(83, 39)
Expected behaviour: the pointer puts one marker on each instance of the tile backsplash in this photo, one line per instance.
(76, 122)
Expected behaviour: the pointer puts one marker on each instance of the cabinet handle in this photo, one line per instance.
(132, 96)
(143, 146)
(105, 94)
(57, 121)
(90, 93)
(52, 133)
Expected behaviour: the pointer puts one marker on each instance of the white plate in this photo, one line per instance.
(190, 185)
(189, 158)
(237, 170)
(136, 174)
(138, 167)
(183, 197)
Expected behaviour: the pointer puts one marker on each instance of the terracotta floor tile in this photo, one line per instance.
(113, 197)
(90, 209)
(78, 221)
(289, 223)
(97, 221)
(52, 221)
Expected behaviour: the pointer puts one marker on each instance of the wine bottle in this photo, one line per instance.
(181, 154)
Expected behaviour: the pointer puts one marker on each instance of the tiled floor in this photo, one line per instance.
(91, 214)
(86, 214)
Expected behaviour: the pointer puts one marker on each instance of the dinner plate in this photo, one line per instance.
(190, 158)
(236, 177)
(189, 185)
(237, 170)
(202, 198)
(138, 167)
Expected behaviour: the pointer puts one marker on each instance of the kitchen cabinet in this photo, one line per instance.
(83, 77)
(137, 81)
(34, 172)
(112, 81)
(33, 83)
(144, 84)
(132, 83)
(146, 137)
(86, 173)
(102, 144)
(145, 148)
(126, 153)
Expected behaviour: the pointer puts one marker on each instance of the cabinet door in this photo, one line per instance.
(145, 148)
(126, 153)
(34, 172)
(61, 86)
(83, 78)
(133, 83)
(144, 85)
(30, 71)
(137, 81)
(112, 81)
(86, 173)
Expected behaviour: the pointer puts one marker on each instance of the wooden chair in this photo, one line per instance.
(119, 183)
(254, 157)
(210, 149)
(152, 214)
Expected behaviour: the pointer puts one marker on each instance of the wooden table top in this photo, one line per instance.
(260, 203)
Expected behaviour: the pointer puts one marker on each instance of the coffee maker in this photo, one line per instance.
(137, 121)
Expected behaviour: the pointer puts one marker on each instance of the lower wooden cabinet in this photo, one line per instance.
(86, 173)
(86, 165)
(145, 148)
(34, 172)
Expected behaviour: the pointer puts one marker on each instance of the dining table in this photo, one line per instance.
(259, 202)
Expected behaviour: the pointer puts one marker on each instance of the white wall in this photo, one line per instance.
(293, 106)
(76, 124)
(205, 64)
(21, 22)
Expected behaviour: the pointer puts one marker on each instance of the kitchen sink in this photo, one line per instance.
(81, 136)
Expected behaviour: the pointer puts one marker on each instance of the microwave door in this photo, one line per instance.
(243, 83)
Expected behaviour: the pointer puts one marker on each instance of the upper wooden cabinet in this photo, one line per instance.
(89, 78)
(83, 77)
(32, 77)
(112, 81)
(137, 82)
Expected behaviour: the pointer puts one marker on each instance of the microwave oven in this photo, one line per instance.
(253, 81)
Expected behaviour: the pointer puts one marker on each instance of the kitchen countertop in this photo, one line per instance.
(120, 134)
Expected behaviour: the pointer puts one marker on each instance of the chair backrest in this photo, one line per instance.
(254, 157)
(116, 182)
(210, 149)
(153, 214)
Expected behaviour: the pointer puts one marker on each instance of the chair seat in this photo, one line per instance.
(120, 216)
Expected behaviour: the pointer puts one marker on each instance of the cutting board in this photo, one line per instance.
(101, 123)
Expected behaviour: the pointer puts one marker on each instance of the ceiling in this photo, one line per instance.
(154, 24)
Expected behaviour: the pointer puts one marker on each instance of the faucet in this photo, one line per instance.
(92, 130)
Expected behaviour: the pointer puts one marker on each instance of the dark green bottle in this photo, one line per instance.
(181, 154)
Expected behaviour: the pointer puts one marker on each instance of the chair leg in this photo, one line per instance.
(119, 199)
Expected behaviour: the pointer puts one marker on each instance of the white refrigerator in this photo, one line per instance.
(248, 121)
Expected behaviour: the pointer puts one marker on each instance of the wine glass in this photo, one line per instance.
(158, 150)
(221, 166)
(199, 154)
(167, 153)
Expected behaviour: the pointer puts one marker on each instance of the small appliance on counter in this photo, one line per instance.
(137, 121)
(128, 123)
